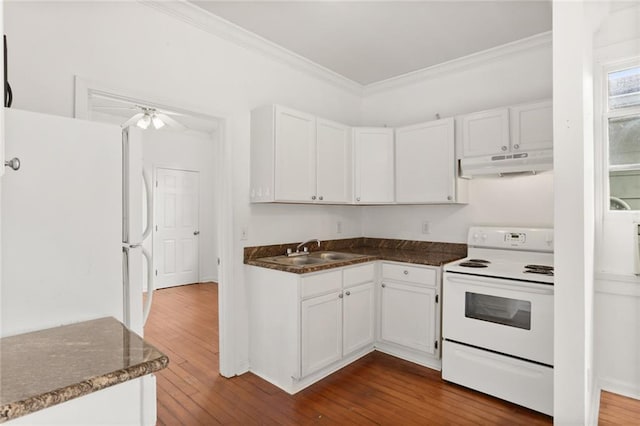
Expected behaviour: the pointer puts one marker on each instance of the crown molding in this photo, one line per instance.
(213, 24)
(459, 64)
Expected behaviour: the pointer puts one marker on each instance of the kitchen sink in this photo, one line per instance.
(314, 258)
(332, 255)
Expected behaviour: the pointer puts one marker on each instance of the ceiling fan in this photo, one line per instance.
(147, 116)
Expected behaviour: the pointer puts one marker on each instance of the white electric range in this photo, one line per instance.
(497, 321)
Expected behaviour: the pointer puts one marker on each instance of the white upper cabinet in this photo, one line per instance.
(374, 164)
(532, 126)
(298, 158)
(333, 162)
(485, 132)
(425, 163)
(520, 128)
(295, 157)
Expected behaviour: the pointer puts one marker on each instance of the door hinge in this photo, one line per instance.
(218, 261)
(156, 228)
(156, 184)
(156, 272)
(437, 298)
(436, 344)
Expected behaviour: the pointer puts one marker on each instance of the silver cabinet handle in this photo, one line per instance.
(449, 197)
(14, 163)
(358, 199)
(348, 293)
(196, 232)
(313, 197)
(504, 148)
(384, 285)
(320, 198)
(516, 146)
(406, 272)
(340, 296)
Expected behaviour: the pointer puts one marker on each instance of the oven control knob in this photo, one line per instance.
(475, 237)
(484, 237)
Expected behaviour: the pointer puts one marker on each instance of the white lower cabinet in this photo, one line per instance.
(358, 316)
(410, 312)
(304, 327)
(407, 316)
(321, 331)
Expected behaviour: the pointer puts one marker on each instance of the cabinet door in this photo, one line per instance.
(358, 315)
(425, 162)
(295, 156)
(408, 316)
(373, 165)
(321, 331)
(333, 150)
(485, 133)
(532, 126)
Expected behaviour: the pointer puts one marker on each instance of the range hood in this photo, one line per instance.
(520, 162)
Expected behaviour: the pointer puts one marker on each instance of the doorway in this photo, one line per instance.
(219, 171)
(176, 227)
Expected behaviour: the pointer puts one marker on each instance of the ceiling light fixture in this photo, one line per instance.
(157, 122)
(150, 118)
(144, 121)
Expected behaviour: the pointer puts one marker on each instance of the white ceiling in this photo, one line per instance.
(371, 41)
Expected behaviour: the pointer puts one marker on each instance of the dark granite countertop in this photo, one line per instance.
(418, 252)
(48, 367)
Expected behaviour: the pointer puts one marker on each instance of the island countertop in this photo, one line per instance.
(47, 367)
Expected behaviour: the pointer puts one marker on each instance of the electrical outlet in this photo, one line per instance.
(244, 233)
(339, 227)
(426, 227)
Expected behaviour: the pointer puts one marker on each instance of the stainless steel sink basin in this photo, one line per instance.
(333, 255)
(314, 258)
(295, 261)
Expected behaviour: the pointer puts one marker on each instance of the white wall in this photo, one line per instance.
(189, 151)
(524, 200)
(130, 46)
(508, 201)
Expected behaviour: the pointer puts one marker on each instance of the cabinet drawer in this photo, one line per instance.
(409, 273)
(359, 274)
(321, 283)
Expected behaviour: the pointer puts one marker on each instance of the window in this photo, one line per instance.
(622, 115)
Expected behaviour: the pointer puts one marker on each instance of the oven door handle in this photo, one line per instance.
(502, 284)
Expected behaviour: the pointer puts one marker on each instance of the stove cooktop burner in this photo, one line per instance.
(478, 261)
(539, 269)
(471, 264)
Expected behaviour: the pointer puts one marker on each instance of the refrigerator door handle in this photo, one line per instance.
(148, 195)
(150, 286)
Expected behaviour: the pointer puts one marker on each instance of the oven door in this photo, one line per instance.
(506, 316)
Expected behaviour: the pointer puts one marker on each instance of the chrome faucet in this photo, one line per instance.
(305, 250)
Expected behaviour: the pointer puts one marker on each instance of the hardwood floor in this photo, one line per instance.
(377, 389)
(618, 410)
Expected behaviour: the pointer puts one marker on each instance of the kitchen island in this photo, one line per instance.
(44, 368)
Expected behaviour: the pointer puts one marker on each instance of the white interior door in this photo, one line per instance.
(175, 240)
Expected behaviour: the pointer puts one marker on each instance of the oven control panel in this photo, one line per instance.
(512, 238)
(515, 238)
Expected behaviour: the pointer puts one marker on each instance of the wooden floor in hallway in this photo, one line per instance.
(377, 389)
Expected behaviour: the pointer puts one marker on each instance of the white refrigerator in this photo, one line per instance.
(71, 228)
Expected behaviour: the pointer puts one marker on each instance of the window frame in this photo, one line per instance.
(603, 115)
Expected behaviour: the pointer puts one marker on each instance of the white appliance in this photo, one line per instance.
(497, 320)
(70, 214)
(500, 164)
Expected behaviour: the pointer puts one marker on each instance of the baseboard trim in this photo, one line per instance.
(619, 387)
